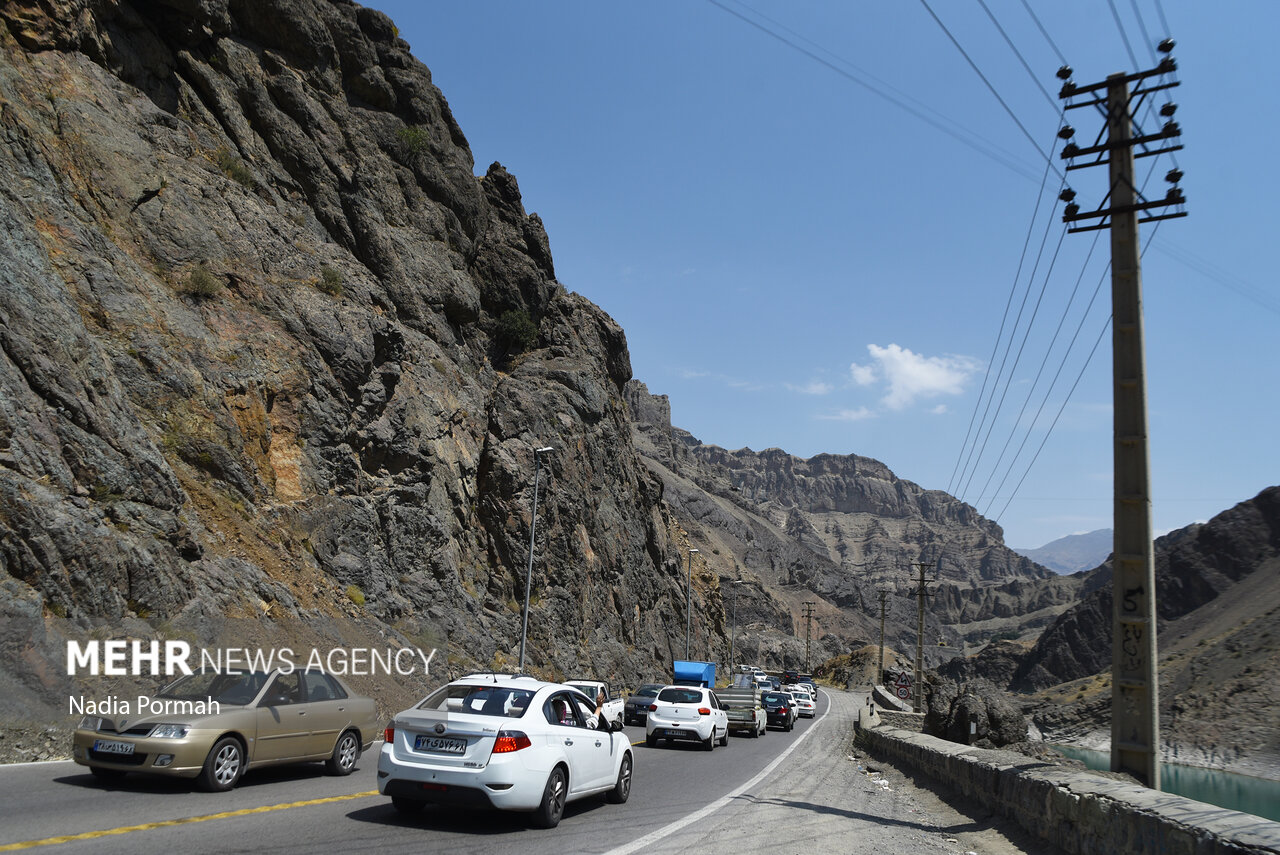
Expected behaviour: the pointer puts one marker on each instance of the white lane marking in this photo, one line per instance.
(671, 828)
(34, 763)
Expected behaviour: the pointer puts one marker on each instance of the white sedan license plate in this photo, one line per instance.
(440, 744)
(108, 746)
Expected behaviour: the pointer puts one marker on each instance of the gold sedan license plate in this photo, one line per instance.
(440, 744)
(110, 746)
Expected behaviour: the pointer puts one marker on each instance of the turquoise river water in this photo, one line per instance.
(1246, 794)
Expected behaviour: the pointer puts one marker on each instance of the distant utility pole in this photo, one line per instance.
(922, 591)
(1135, 702)
(882, 593)
(808, 618)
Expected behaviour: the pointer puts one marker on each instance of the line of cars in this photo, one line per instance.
(487, 740)
(503, 741)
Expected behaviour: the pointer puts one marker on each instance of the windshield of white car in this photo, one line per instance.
(504, 701)
(681, 696)
(232, 689)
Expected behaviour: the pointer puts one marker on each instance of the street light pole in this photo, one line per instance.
(688, 605)
(528, 576)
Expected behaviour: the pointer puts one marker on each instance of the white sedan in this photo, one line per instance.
(512, 743)
(689, 713)
(805, 706)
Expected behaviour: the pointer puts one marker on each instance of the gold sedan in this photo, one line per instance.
(213, 726)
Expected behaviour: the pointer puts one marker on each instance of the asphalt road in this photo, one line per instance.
(59, 807)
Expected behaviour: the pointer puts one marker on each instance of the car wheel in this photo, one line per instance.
(622, 789)
(724, 740)
(552, 807)
(223, 767)
(106, 774)
(709, 744)
(407, 806)
(345, 754)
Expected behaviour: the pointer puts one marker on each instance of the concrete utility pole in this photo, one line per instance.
(533, 527)
(808, 618)
(688, 605)
(922, 591)
(1135, 702)
(883, 593)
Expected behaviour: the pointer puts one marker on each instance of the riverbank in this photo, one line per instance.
(1255, 764)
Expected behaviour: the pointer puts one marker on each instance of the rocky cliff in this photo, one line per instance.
(274, 360)
(1218, 610)
(834, 530)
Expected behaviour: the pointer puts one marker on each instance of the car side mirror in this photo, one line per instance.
(615, 726)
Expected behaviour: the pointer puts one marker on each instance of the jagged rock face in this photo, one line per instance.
(252, 354)
(833, 529)
(1194, 566)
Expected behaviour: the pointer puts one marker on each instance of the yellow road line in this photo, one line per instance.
(91, 835)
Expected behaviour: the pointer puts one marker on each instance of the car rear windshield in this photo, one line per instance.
(775, 698)
(504, 701)
(681, 696)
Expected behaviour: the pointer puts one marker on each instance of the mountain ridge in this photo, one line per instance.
(1072, 553)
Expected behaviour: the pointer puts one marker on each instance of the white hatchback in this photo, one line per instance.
(686, 713)
(512, 743)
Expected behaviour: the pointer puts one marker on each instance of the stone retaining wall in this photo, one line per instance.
(1083, 813)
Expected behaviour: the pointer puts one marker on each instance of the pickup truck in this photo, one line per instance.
(612, 709)
(744, 710)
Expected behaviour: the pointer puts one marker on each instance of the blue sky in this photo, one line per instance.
(809, 217)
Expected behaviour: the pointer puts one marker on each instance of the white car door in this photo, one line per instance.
(586, 749)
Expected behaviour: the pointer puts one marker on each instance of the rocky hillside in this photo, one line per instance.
(274, 361)
(1218, 607)
(834, 530)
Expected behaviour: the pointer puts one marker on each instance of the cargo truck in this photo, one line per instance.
(690, 673)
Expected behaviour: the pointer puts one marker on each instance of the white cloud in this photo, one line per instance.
(849, 415)
(863, 375)
(813, 387)
(911, 376)
(939, 410)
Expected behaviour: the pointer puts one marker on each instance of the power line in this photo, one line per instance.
(1054, 424)
(1146, 37)
(1035, 78)
(1057, 374)
(991, 150)
(1062, 59)
(991, 88)
(995, 347)
(1124, 37)
(1030, 324)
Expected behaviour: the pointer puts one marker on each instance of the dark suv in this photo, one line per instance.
(780, 710)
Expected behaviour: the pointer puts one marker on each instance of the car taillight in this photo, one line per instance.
(510, 740)
(783, 709)
(389, 733)
(653, 707)
(704, 710)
